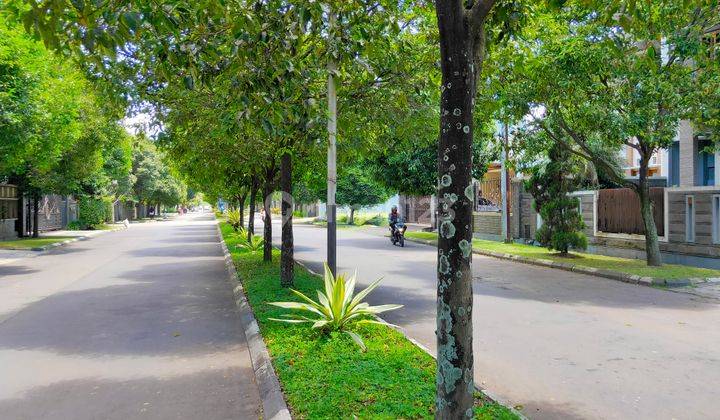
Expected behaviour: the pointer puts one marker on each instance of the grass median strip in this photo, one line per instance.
(31, 243)
(623, 265)
(327, 376)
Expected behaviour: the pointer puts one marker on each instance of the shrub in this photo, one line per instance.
(92, 212)
(342, 218)
(377, 220)
(298, 213)
(550, 186)
(74, 225)
(108, 209)
(336, 309)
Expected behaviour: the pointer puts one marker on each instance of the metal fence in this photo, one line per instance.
(619, 211)
(489, 193)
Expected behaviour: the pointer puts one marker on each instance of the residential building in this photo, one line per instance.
(688, 162)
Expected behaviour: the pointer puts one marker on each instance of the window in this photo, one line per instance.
(689, 218)
(708, 168)
(674, 163)
(716, 219)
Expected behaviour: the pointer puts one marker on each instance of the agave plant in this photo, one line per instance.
(252, 243)
(233, 218)
(240, 234)
(336, 309)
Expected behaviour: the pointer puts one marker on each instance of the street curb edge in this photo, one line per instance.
(272, 398)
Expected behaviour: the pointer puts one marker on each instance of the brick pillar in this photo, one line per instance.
(688, 155)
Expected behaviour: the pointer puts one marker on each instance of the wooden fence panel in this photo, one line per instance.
(619, 211)
(8, 202)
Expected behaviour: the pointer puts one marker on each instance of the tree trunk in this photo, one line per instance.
(652, 245)
(287, 262)
(36, 216)
(251, 210)
(267, 221)
(455, 385)
(241, 207)
(351, 217)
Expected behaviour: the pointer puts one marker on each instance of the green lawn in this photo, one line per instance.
(30, 243)
(327, 376)
(625, 265)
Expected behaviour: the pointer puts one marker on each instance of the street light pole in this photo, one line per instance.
(505, 187)
(331, 153)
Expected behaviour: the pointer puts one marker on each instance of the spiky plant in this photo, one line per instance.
(233, 218)
(252, 243)
(336, 309)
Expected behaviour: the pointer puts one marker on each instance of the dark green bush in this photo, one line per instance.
(74, 225)
(93, 212)
(551, 185)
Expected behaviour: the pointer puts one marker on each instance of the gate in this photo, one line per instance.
(619, 211)
(8, 202)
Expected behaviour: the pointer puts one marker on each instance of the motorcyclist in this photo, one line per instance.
(394, 218)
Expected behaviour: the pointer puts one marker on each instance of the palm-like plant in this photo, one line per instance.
(336, 309)
(233, 218)
(240, 234)
(252, 243)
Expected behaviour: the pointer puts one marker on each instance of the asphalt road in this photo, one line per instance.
(134, 324)
(556, 344)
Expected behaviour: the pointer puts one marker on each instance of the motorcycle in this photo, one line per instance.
(397, 235)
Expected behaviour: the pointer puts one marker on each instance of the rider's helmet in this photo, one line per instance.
(394, 208)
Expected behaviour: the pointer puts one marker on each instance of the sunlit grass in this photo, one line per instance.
(29, 243)
(326, 375)
(624, 265)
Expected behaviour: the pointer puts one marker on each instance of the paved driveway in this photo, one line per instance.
(139, 323)
(561, 345)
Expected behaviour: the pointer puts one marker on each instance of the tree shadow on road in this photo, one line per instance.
(181, 308)
(211, 393)
(15, 270)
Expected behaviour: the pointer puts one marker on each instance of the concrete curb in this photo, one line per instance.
(487, 395)
(608, 274)
(273, 400)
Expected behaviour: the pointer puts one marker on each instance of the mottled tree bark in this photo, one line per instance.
(287, 261)
(652, 244)
(461, 48)
(251, 210)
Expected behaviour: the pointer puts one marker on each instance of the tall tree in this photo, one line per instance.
(357, 189)
(462, 38)
(623, 80)
(466, 28)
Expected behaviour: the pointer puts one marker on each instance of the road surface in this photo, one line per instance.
(133, 324)
(558, 345)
